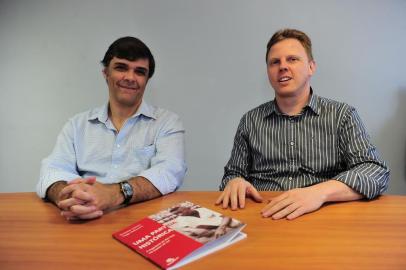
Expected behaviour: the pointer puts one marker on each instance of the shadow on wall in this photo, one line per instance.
(393, 140)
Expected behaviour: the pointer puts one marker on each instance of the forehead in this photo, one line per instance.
(285, 47)
(142, 62)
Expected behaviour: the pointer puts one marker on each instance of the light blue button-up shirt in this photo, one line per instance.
(150, 144)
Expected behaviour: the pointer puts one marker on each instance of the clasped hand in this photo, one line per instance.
(290, 204)
(83, 198)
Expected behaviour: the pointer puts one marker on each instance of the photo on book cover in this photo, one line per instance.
(196, 222)
(181, 234)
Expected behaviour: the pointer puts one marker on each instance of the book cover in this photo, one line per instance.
(181, 234)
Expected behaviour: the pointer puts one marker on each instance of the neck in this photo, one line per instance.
(118, 114)
(293, 105)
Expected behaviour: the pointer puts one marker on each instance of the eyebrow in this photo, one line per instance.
(121, 64)
(287, 56)
(294, 55)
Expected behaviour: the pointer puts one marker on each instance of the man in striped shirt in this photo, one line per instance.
(315, 149)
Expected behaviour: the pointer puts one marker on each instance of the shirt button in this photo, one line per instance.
(290, 178)
(118, 146)
(115, 166)
(292, 143)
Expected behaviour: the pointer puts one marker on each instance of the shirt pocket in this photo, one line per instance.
(144, 155)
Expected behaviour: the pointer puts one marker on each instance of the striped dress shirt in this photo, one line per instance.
(327, 140)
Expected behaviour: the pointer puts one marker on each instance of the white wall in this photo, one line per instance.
(210, 70)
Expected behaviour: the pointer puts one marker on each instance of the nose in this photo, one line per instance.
(129, 76)
(283, 65)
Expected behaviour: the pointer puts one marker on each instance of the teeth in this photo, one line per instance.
(284, 79)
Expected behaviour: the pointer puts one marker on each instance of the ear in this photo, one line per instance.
(313, 67)
(105, 73)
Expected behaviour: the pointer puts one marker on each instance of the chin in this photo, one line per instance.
(127, 102)
(286, 93)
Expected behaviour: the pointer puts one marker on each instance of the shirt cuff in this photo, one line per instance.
(166, 181)
(50, 177)
(368, 187)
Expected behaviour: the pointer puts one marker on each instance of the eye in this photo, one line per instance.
(273, 62)
(120, 68)
(292, 59)
(141, 71)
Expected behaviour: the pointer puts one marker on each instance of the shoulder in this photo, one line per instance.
(260, 111)
(327, 105)
(83, 118)
(83, 115)
(164, 119)
(162, 114)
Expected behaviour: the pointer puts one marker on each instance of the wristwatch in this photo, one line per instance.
(127, 191)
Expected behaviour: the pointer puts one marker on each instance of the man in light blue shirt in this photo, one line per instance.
(124, 152)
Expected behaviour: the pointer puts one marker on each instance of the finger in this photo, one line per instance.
(271, 209)
(285, 211)
(62, 196)
(68, 214)
(226, 198)
(75, 181)
(95, 214)
(233, 196)
(82, 209)
(271, 203)
(90, 180)
(220, 198)
(66, 191)
(253, 192)
(297, 213)
(277, 199)
(241, 197)
(72, 216)
(83, 196)
(66, 204)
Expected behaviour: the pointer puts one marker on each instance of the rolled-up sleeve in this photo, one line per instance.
(367, 173)
(168, 166)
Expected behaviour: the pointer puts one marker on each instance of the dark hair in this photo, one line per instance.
(290, 33)
(131, 49)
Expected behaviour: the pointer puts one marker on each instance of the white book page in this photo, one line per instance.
(206, 250)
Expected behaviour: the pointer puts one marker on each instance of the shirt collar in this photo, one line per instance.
(313, 105)
(102, 113)
(146, 110)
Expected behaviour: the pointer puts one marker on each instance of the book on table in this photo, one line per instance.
(181, 234)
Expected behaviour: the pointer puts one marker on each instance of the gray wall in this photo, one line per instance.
(210, 70)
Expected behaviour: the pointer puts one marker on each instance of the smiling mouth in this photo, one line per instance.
(128, 87)
(284, 79)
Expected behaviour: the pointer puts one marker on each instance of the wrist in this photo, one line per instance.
(53, 191)
(237, 179)
(328, 190)
(116, 195)
(127, 192)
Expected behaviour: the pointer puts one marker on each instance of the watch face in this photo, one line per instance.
(127, 191)
(127, 188)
